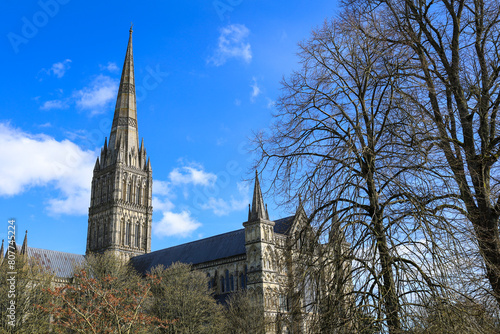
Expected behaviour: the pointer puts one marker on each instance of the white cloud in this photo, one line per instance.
(182, 181)
(58, 69)
(161, 188)
(192, 175)
(162, 205)
(110, 66)
(255, 90)
(232, 43)
(54, 104)
(179, 224)
(270, 103)
(221, 207)
(98, 95)
(40, 160)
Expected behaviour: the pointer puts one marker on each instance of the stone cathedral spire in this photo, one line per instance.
(120, 213)
(258, 210)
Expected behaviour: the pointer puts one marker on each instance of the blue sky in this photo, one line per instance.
(207, 74)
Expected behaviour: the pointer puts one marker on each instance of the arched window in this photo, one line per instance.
(106, 228)
(110, 191)
(231, 283)
(242, 281)
(129, 192)
(139, 195)
(97, 192)
(122, 232)
(138, 235)
(127, 234)
(124, 190)
(209, 281)
(222, 284)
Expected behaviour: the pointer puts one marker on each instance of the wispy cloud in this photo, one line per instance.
(194, 183)
(221, 207)
(255, 90)
(54, 104)
(192, 175)
(97, 95)
(178, 224)
(162, 188)
(41, 161)
(58, 69)
(110, 66)
(232, 43)
(270, 103)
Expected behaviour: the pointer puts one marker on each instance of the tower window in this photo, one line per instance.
(124, 190)
(242, 281)
(106, 227)
(222, 284)
(127, 234)
(138, 235)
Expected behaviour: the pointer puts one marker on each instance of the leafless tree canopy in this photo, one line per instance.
(388, 131)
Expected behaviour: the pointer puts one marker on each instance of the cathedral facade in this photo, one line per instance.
(120, 212)
(257, 258)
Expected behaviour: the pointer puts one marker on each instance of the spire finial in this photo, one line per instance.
(258, 208)
(131, 28)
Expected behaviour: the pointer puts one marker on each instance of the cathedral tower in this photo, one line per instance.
(120, 213)
(261, 253)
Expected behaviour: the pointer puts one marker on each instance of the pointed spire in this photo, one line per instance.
(1, 252)
(24, 247)
(125, 117)
(96, 166)
(258, 211)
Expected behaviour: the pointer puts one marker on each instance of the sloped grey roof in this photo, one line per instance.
(283, 225)
(199, 251)
(209, 249)
(59, 263)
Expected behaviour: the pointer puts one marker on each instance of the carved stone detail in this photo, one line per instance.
(127, 88)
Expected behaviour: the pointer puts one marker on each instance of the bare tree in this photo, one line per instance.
(342, 138)
(452, 72)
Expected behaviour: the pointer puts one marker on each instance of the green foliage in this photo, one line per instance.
(182, 296)
(29, 289)
(244, 314)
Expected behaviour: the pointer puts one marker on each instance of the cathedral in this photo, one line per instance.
(120, 220)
